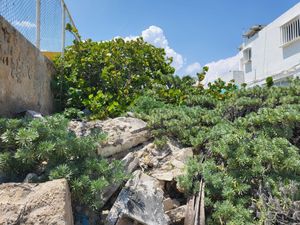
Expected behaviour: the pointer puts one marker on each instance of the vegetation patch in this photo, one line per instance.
(47, 148)
(247, 144)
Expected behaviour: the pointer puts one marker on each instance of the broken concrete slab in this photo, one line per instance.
(123, 133)
(44, 203)
(141, 200)
(130, 163)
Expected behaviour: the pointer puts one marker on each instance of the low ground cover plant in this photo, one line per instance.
(47, 148)
(247, 145)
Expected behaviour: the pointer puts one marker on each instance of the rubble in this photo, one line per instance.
(177, 215)
(123, 133)
(130, 164)
(141, 200)
(167, 164)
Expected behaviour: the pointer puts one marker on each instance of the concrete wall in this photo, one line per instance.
(25, 74)
(237, 76)
(268, 56)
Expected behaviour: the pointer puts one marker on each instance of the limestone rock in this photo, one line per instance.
(141, 201)
(44, 203)
(123, 133)
(172, 165)
(177, 215)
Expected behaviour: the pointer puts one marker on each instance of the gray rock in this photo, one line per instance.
(141, 201)
(130, 164)
(33, 114)
(31, 178)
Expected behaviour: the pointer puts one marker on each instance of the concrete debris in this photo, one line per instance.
(141, 201)
(172, 164)
(130, 164)
(177, 215)
(123, 133)
(45, 203)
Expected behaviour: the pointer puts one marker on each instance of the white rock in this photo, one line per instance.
(123, 133)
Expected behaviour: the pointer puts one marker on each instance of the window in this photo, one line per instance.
(290, 31)
(247, 55)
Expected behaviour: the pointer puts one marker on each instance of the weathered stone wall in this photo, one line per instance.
(25, 74)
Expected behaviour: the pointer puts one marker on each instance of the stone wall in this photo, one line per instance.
(25, 74)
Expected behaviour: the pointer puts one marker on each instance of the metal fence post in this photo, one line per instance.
(38, 24)
(63, 31)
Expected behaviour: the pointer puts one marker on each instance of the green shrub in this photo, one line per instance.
(106, 77)
(46, 147)
(248, 146)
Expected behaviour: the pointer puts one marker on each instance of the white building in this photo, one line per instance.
(272, 50)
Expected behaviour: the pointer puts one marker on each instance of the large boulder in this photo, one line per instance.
(140, 202)
(44, 203)
(123, 133)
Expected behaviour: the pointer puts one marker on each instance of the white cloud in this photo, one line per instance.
(155, 36)
(218, 68)
(193, 68)
(24, 24)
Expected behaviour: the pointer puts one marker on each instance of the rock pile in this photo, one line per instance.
(151, 196)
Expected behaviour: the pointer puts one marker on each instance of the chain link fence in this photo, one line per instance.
(42, 22)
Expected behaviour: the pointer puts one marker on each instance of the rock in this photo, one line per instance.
(45, 203)
(130, 114)
(173, 164)
(141, 201)
(32, 114)
(31, 178)
(123, 133)
(170, 204)
(177, 215)
(296, 216)
(296, 205)
(130, 164)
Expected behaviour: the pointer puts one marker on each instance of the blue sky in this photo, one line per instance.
(198, 31)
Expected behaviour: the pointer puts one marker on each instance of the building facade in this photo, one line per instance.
(270, 51)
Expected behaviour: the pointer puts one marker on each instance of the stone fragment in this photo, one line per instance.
(173, 164)
(141, 201)
(39, 204)
(32, 114)
(130, 164)
(177, 215)
(170, 204)
(123, 133)
(31, 178)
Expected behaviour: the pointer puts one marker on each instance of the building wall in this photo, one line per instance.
(25, 74)
(237, 76)
(268, 56)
